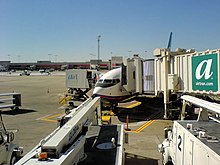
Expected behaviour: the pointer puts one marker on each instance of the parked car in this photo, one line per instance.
(25, 72)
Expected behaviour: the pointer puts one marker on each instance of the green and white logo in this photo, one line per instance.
(205, 72)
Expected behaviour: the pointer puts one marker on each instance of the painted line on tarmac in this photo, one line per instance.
(62, 107)
(42, 117)
(145, 125)
(142, 127)
(50, 117)
(53, 121)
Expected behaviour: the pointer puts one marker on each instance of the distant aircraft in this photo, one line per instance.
(109, 87)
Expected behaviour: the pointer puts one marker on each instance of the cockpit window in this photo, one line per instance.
(107, 82)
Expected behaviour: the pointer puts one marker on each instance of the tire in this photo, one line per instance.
(13, 159)
(15, 108)
(169, 163)
(165, 157)
(1, 139)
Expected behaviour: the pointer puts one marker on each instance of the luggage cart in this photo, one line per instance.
(10, 100)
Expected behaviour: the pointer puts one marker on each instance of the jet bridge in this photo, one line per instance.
(80, 139)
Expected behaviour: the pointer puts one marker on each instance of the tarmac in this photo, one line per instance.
(40, 108)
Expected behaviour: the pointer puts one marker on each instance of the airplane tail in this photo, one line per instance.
(170, 41)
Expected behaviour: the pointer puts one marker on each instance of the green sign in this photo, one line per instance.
(205, 72)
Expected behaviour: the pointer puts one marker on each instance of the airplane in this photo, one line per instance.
(109, 87)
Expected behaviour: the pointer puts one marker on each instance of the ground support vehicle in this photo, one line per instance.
(9, 152)
(80, 139)
(10, 100)
(193, 141)
(80, 81)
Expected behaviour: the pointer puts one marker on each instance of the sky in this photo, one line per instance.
(68, 30)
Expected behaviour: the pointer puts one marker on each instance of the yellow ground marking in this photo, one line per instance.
(134, 105)
(129, 105)
(65, 99)
(142, 127)
(145, 125)
(128, 98)
(50, 118)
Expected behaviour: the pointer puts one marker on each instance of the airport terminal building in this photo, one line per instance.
(7, 65)
(92, 64)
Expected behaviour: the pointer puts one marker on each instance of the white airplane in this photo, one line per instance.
(109, 87)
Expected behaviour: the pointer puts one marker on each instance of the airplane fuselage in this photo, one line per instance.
(109, 87)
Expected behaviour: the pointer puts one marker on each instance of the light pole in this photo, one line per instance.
(99, 36)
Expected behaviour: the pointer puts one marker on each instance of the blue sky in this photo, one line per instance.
(67, 30)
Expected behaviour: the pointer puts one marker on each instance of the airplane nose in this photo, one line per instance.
(96, 92)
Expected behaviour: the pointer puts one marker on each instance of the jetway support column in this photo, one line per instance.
(165, 69)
